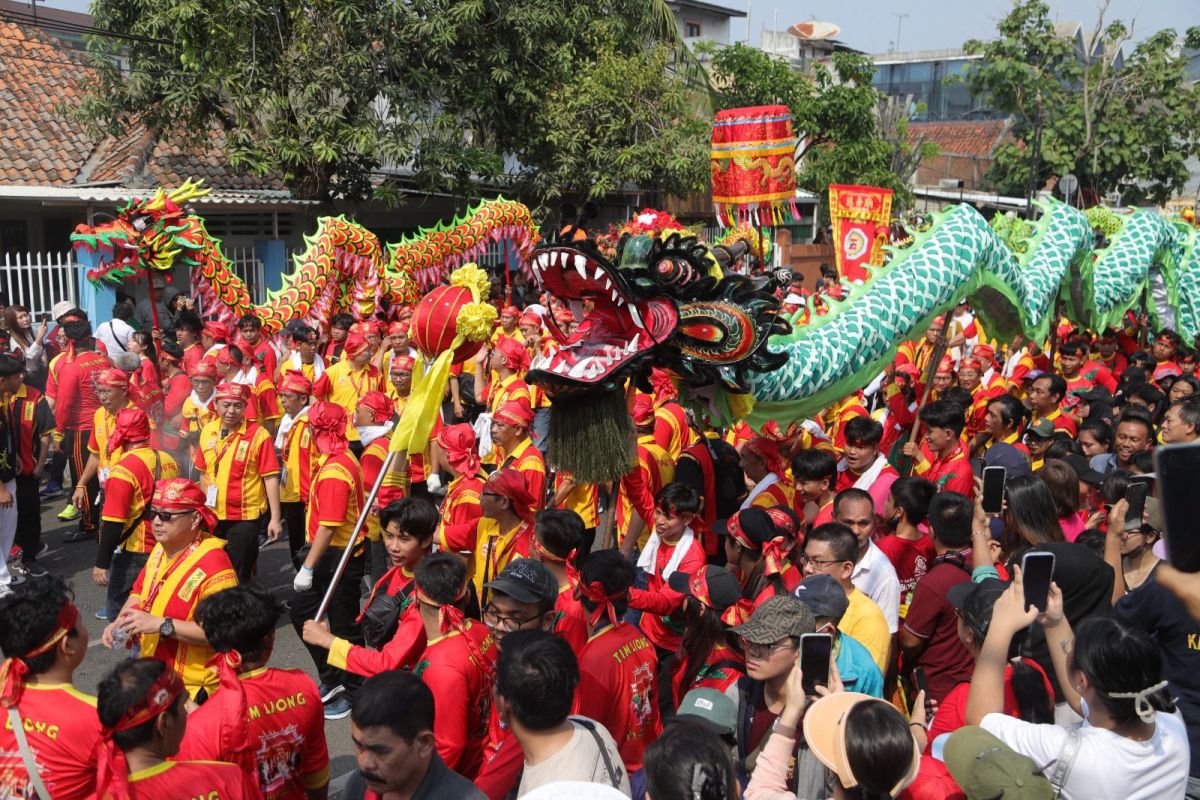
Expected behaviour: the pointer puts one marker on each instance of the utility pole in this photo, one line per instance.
(899, 21)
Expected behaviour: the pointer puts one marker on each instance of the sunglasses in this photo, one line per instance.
(167, 516)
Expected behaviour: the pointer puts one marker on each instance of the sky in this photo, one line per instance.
(870, 25)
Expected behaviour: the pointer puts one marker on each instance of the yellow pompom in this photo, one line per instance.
(740, 405)
(476, 321)
(473, 278)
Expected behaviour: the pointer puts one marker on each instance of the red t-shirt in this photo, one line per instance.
(953, 472)
(178, 389)
(463, 688)
(931, 618)
(191, 357)
(286, 731)
(911, 558)
(663, 623)
(952, 710)
(73, 392)
(618, 689)
(403, 650)
(64, 735)
(208, 779)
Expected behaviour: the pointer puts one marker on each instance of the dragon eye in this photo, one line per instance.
(140, 223)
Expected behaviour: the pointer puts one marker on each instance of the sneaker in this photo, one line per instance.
(17, 579)
(45, 548)
(102, 614)
(79, 535)
(35, 569)
(338, 709)
(69, 513)
(328, 691)
(17, 570)
(262, 541)
(14, 554)
(52, 489)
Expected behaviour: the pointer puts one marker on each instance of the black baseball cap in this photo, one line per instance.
(1094, 394)
(974, 602)
(824, 596)
(1083, 468)
(715, 587)
(526, 580)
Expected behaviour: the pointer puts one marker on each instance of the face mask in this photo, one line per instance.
(1083, 706)
(893, 523)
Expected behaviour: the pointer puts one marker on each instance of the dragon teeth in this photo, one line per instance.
(637, 317)
(578, 370)
(554, 258)
(599, 270)
(580, 266)
(560, 368)
(615, 297)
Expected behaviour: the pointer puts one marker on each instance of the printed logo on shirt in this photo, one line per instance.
(242, 448)
(28, 412)
(278, 755)
(191, 584)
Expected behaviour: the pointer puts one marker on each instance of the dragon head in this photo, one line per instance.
(147, 234)
(664, 300)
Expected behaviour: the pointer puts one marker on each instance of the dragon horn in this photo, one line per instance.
(188, 191)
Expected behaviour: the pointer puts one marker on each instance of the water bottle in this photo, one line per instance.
(122, 639)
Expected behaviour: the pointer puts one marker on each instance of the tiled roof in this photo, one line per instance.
(977, 138)
(41, 81)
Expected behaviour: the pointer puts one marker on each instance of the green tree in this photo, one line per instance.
(1126, 129)
(447, 94)
(836, 113)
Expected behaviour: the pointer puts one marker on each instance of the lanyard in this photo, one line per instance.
(158, 583)
(220, 454)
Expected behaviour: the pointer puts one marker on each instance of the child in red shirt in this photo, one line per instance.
(268, 721)
(908, 548)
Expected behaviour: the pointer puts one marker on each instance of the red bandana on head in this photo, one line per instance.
(595, 594)
(132, 425)
(180, 494)
(767, 450)
(112, 774)
(327, 421)
(14, 668)
(458, 443)
(513, 353)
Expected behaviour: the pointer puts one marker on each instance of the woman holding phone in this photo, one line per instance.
(1129, 550)
(1111, 675)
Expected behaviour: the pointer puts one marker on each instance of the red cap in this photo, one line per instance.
(204, 368)
(132, 425)
(971, 363)
(402, 364)
(217, 330)
(232, 391)
(379, 404)
(398, 328)
(458, 443)
(180, 494)
(328, 424)
(946, 366)
(531, 318)
(112, 378)
(355, 343)
(295, 382)
(517, 413)
(510, 483)
(768, 451)
(643, 410)
(515, 356)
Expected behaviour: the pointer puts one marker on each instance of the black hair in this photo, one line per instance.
(841, 540)
(1142, 461)
(11, 364)
(1092, 539)
(147, 341)
(250, 320)
(413, 515)
(690, 762)
(560, 531)
(236, 354)
(613, 572)
(1061, 446)
(29, 616)
(1063, 482)
(1141, 360)
(1150, 395)
(188, 321)
(396, 700)
(912, 495)
(441, 577)
(678, 498)
(77, 330)
(536, 674)
(1133, 414)
(879, 747)
(944, 414)
(1101, 431)
(123, 311)
(1056, 387)
(1012, 411)
(852, 494)
(814, 465)
(863, 430)
(171, 349)
(341, 321)
(124, 688)
(1030, 513)
(703, 632)
(960, 397)
(950, 516)
(1114, 485)
(1074, 347)
(302, 333)
(1172, 336)
(240, 618)
(1190, 380)
(1118, 658)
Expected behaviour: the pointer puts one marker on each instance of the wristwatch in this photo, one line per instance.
(167, 628)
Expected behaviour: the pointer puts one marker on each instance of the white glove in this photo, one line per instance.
(434, 483)
(303, 581)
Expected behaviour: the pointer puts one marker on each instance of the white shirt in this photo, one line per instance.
(875, 577)
(115, 334)
(1107, 765)
(579, 760)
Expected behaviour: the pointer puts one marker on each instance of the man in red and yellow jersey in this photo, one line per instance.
(176, 389)
(503, 533)
(762, 464)
(30, 423)
(303, 356)
(671, 429)
(510, 432)
(185, 566)
(276, 712)
(373, 418)
(970, 377)
(187, 333)
(241, 477)
(112, 388)
(943, 459)
(198, 408)
(141, 706)
(461, 505)
(45, 641)
(582, 498)
(345, 383)
(71, 394)
(334, 505)
(837, 415)
(263, 408)
(298, 454)
(124, 525)
(1166, 345)
(508, 360)
(508, 325)
(657, 470)
(399, 389)
(256, 346)
(919, 353)
(1108, 352)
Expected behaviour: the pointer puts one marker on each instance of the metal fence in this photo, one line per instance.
(247, 266)
(38, 280)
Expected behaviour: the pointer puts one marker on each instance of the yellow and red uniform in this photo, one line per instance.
(29, 418)
(103, 426)
(658, 469)
(176, 393)
(299, 462)
(336, 498)
(451, 668)
(838, 415)
(403, 650)
(236, 466)
(917, 353)
(1062, 422)
(345, 384)
(950, 473)
(173, 588)
(671, 429)
(64, 734)
(461, 505)
(527, 460)
(129, 489)
(619, 690)
(208, 779)
(583, 499)
(490, 549)
(264, 400)
(980, 398)
(196, 414)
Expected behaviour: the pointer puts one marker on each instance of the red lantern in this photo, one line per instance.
(434, 323)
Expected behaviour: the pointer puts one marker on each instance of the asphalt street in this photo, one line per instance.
(73, 562)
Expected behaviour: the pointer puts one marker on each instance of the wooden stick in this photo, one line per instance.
(935, 360)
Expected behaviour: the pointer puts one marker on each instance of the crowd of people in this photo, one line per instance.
(502, 630)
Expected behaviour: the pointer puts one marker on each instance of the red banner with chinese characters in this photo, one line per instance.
(860, 216)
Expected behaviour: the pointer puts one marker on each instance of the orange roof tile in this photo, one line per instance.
(977, 138)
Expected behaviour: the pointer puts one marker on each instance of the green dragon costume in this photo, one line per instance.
(343, 266)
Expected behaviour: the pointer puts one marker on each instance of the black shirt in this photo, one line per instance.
(440, 782)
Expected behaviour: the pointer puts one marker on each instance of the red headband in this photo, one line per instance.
(510, 483)
(180, 494)
(643, 410)
(295, 382)
(232, 391)
(328, 423)
(595, 594)
(516, 412)
(15, 668)
(766, 449)
(112, 775)
(112, 378)
(514, 354)
(379, 405)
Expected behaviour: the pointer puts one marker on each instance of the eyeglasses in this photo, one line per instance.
(819, 562)
(494, 619)
(755, 650)
(167, 516)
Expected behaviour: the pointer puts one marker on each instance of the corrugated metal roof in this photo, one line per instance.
(120, 194)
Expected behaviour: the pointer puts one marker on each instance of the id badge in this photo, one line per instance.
(283, 476)
(210, 498)
(102, 475)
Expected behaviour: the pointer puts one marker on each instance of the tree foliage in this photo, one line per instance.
(836, 112)
(1126, 128)
(446, 93)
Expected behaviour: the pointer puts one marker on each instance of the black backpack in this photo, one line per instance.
(728, 478)
(381, 617)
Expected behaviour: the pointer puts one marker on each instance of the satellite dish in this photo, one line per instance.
(814, 29)
(1067, 185)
